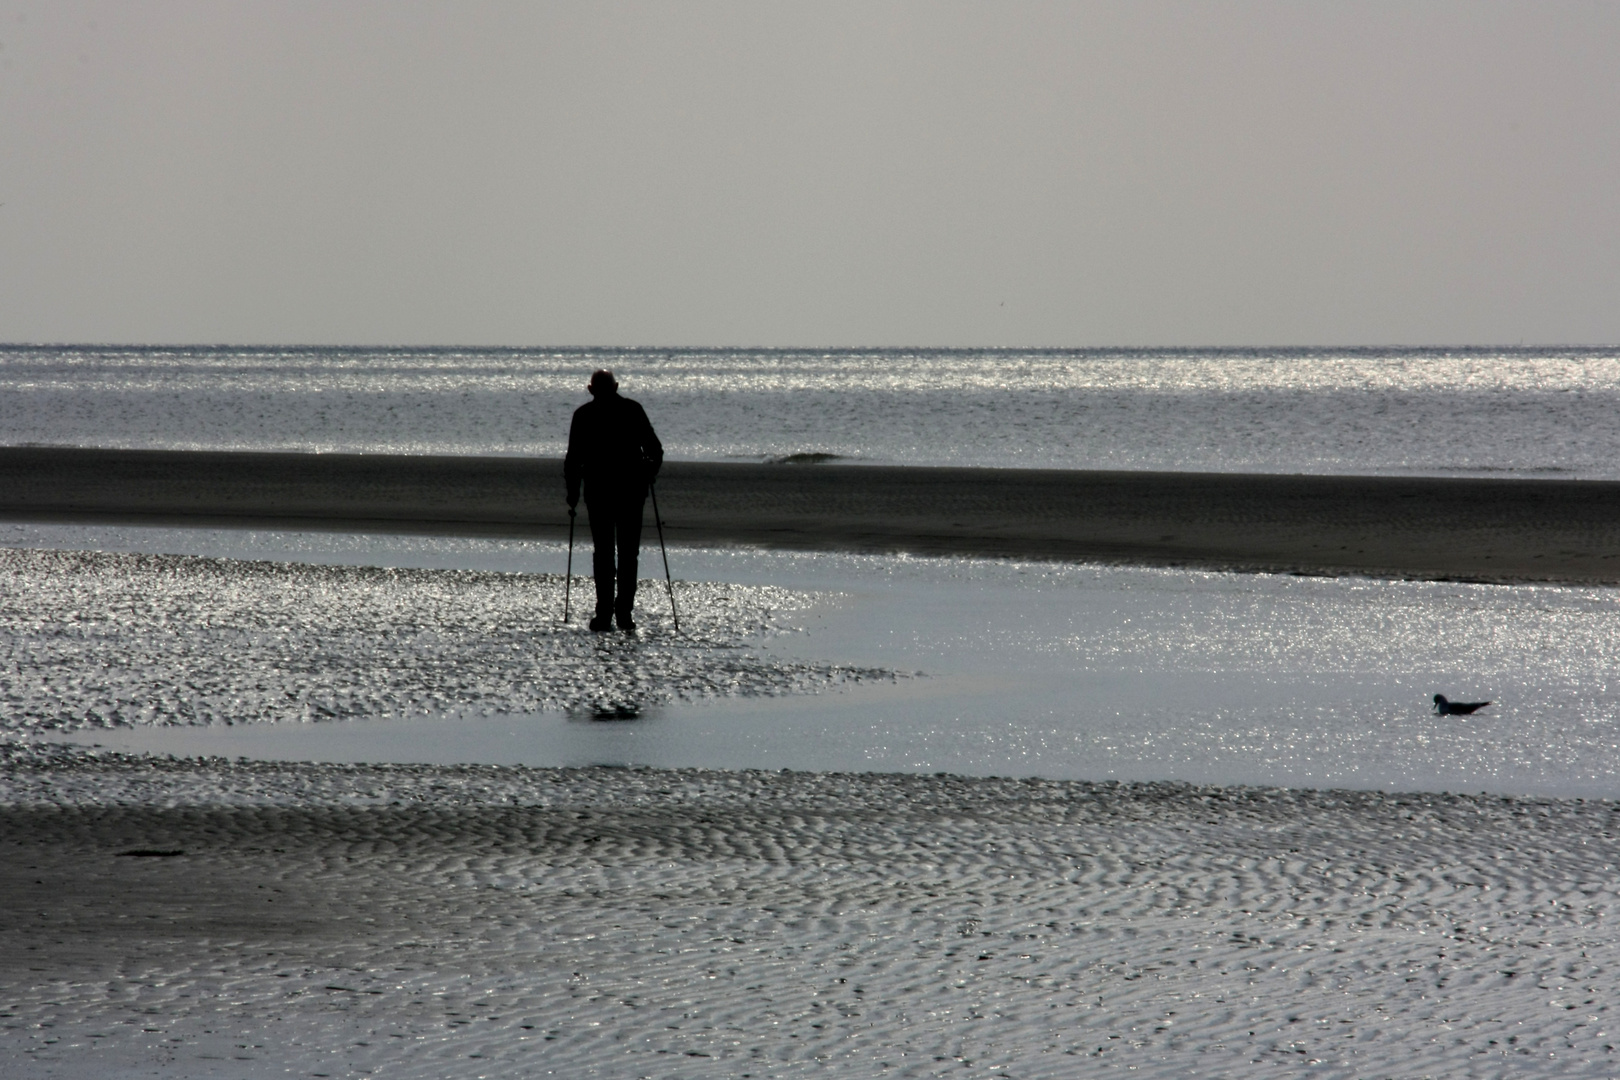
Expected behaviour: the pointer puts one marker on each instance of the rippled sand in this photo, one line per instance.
(480, 921)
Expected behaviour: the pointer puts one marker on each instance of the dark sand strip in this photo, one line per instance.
(1470, 529)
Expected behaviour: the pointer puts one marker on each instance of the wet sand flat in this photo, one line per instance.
(209, 918)
(1471, 529)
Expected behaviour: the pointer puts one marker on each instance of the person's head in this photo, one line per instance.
(603, 382)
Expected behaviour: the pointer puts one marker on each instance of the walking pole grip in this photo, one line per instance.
(669, 582)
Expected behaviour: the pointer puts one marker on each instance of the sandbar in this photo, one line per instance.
(1471, 529)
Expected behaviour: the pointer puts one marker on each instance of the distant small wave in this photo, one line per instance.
(814, 458)
(1506, 469)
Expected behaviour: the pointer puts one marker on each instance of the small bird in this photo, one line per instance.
(1456, 708)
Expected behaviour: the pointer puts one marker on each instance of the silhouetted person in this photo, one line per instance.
(1456, 708)
(612, 450)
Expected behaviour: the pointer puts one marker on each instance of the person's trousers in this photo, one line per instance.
(615, 531)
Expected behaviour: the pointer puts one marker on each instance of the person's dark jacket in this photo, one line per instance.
(611, 447)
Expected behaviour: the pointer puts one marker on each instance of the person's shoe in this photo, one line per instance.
(626, 623)
(601, 623)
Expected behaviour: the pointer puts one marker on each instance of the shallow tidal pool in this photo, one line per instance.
(982, 667)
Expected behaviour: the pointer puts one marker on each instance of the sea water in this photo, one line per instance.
(1447, 412)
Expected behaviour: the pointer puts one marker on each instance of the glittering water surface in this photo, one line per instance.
(1448, 412)
(102, 639)
(1037, 669)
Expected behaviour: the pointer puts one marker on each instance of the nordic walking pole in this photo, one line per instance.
(568, 578)
(669, 582)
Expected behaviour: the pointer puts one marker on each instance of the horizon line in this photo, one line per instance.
(397, 347)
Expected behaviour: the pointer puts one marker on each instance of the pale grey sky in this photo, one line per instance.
(819, 173)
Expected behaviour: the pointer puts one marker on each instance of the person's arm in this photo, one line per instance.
(573, 466)
(652, 451)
